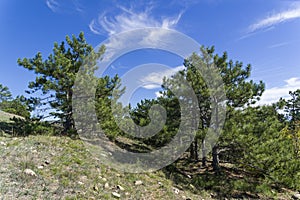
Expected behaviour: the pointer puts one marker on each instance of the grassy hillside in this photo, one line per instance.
(64, 169)
(5, 117)
(47, 167)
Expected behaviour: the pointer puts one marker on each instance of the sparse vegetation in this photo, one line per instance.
(256, 156)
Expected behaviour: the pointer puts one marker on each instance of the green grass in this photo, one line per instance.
(73, 173)
(5, 117)
(67, 170)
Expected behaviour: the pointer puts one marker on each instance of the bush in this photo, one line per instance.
(25, 127)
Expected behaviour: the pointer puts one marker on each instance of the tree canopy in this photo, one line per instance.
(56, 76)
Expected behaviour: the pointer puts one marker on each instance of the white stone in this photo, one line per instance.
(138, 182)
(40, 167)
(296, 196)
(120, 187)
(106, 185)
(80, 183)
(176, 191)
(116, 194)
(29, 172)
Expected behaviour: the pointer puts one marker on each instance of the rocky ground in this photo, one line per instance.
(47, 167)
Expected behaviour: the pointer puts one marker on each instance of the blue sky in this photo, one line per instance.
(265, 34)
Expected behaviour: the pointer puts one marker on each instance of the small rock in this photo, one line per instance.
(120, 187)
(83, 178)
(106, 185)
(3, 143)
(80, 183)
(96, 188)
(138, 182)
(47, 162)
(104, 179)
(118, 175)
(117, 195)
(296, 196)
(189, 176)
(176, 190)
(29, 172)
(127, 193)
(193, 187)
(40, 167)
(160, 184)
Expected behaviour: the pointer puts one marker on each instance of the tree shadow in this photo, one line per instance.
(230, 182)
(6, 128)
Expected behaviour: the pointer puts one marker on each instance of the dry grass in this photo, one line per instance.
(66, 170)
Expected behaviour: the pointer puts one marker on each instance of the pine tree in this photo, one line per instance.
(56, 76)
(239, 91)
(292, 110)
(107, 93)
(263, 146)
(4, 93)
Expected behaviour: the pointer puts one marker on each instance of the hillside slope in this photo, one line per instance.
(53, 167)
(5, 117)
(46, 167)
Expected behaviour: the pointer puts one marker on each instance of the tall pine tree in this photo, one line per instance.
(56, 76)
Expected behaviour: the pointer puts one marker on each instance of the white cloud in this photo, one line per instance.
(66, 6)
(129, 19)
(281, 44)
(155, 79)
(277, 18)
(272, 95)
(151, 86)
(93, 27)
(52, 5)
(152, 32)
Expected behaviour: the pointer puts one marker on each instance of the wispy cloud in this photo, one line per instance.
(130, 19)
(250, 34)
(93, 27)
(279, 45)
(272, 95)
(154, 31)
(52, 5)
(66, 6)
(155, 79)
(276, 18)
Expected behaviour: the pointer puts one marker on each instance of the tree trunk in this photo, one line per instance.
(69, 121)
(192, 151)
(215, 161)
(215, 150)
(204, 158)
(196, 151)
